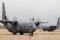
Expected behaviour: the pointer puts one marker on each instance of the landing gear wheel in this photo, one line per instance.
(21, 33)
(14, 33)
(43, 29)
(31, 34)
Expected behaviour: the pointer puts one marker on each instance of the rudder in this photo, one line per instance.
(58, 22)
(3, 12)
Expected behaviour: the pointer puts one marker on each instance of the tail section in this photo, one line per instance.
(3, 12)
(58, 22)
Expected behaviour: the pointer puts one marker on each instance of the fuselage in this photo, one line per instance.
(50, 28)
(24, 27)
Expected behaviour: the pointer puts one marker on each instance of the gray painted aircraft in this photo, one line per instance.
(18, 26)
(51, 28)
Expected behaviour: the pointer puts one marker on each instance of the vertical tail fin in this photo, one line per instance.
(33, 19)
(58, 22)
(3, 12)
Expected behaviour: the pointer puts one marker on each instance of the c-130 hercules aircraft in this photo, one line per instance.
(53, 27)
(18, 26)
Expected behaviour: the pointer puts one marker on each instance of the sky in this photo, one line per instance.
(46, 10)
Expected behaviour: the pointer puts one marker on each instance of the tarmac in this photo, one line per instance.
(38, 35)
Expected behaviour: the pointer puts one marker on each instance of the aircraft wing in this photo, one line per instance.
(41, 22)
(7, 21)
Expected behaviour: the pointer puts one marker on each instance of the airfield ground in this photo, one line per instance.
(38, 35)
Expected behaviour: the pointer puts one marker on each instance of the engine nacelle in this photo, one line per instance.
(9, 26)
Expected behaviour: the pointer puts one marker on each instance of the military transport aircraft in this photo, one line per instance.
(18, 26)
(52, 27)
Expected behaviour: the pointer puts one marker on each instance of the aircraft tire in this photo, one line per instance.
(49, 30)
(21, 33)
(14, 33)
(31, 34)
(43, 29)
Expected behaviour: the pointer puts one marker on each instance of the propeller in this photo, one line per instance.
(14, 19)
